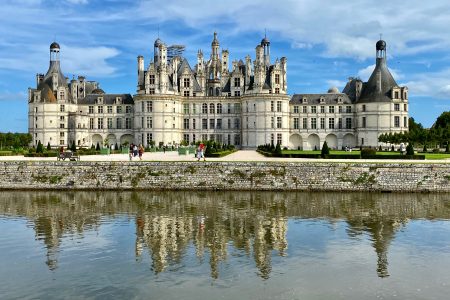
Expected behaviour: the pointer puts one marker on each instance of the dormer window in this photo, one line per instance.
(304, 100)
(322, 100)
(339, 99)
(99, 100)
(118, 100)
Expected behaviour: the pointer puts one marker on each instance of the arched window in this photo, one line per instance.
(219, 108)
(204, 108)
(211, 108)
(217, 91)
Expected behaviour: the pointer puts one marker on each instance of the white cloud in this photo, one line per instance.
(91, 61)
(365, 73)
(434, 84)
(336, 83)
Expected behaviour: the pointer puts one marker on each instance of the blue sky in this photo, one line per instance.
(325, 42)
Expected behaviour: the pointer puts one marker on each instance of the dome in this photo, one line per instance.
(265, 41)
(215, 41)
(158, 42)
(381, 45)
(333, 90)
(98, 91)
(54, 45)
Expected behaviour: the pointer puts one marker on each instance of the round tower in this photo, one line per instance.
(54, 51)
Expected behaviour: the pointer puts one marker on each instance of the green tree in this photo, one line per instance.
(97, 148)
(73, 148)
(48, 146)
(40, 147)
(278, 151)
(325, 150)
(410, 149)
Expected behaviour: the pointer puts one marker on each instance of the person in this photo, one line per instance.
(141, 151)
(135, 150)
(130, 153)
(164, 149)
(201, 152)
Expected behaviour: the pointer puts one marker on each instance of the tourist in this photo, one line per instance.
(141, 151)
(201, 152)
(130, 154)
(164, 149)
(135, 150)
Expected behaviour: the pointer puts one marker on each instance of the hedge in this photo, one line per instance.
(46, 154)
(6, 153)
(221, 153)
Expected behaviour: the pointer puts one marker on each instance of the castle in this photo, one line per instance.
(245, 106)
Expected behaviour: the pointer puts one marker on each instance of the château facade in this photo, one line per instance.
(245, 106)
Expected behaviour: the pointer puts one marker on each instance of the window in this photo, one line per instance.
(128, 109)
(61, 125)
(99, 123)
(185, 93)
(193, 139)
(193, 124)
(322, 123)
(100, 109)
(348, 109)
(305, 109)
(237, 82)
(340, 123)
(295, 109)
(229, 123)
(211, 108)
(204, 123)
(119, 109)
(313, 109)
(211, 124)
(219, 124)
(62, 108)
(204, 108)
(109, 108)
(363, 122)
(277, 78)
(305, 123)
(237, 108)
(348, 123)
(186, 108)
(278, 122)
(61, 142)
(295, 123)
(61, 95)
(186, 82)
(229, 108)
(142, 106)
(396, 121)
(109, 123)
(237, 139)
(127, 123)
(397, 107)
(91, 123)
(279, 138)
(186, 138)
(272, 106)
(405, 107)
(219, 108)
(340, 109)
(149, 122)
(396, 95)
(272, 122)
(149, 106)
(278, 106)
(194, 108)
(364, 107)
(272, 139)
(61, 134)
(237, 93)
(151, 79)
(405, 122)
(119, 123)
(313, 123)
(331, 109)
(237, 123)
(186, 123)
(322, 109)
(61, 118)
(149, 138)
(331, 123)
(151, 91)
(277, 90)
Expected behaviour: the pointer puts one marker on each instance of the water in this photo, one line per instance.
(233, 245)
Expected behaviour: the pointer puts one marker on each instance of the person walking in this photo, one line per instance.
(141, 151)
(130, 153)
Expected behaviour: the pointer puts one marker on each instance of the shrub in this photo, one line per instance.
(278, 150)
(40, 148)
(97, 148)
(368, 152)
(410, 149)
(425, 148)
(48, 146)
(325, 150)
(447, 148)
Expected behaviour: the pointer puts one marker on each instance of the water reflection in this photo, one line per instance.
(256, 223)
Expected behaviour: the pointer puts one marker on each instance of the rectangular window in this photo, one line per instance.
(313, 123)
(151, 91)
(219, 124)
(100, 109)
(331, 123)
(278, 122)
(277, 90)
(186, 123)
(229, 108)
(186, 93)
(211, 123)
(109, 123)
(62, 108)
(396, 95)
(364, 107)
(237, 82)
(186, 138)
(405, 122)
(142, 122)
(305, 109)
(149, 122)
(348, 109)
(149, 138)
(119, 109)
(142, 106)
(149, 106)
(237, 123)
(278, 106)
(331, 109)
(237, 93)
(397, 107)
(119, 123)
(363, 122)
(237, 108)
(91, 123)
(396, 121)
(151, 79)
(295, 109)
(229, 123)
(296, 123)
(305, 123)
(322, 123)
(61, 125)
(91, 109)
(313, 109)
(277, 78)
(194, 109)
(272, 139)
(237, 139)
(186, 82)
(405, 107)
(61, 95)
(109, 107)
(348, 123)
(279, 138)
(340, 109)
(61, 134)
(322, 109)
(127, 123)
(61, 118)
(272, 106)
(99, 123)
(204, 123)
(204, 108)
(193, 138)
(340, 123)
(272, 122)
(186, 108)
(128, 109)
(193, 124)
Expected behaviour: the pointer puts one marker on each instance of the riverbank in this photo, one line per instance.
(301, 175)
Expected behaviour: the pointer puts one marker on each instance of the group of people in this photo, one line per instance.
(136, 151)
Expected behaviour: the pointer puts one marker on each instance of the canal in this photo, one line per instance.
(224, 245)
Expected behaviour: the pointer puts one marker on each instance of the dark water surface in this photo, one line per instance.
(227, 245)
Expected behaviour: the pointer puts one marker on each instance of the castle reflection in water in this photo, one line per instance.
(167, 223)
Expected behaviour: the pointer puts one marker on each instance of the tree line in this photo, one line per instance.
(16, 140)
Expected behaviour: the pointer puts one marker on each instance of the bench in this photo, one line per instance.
(69, 155)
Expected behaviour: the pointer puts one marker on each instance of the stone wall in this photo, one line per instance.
(401, 177)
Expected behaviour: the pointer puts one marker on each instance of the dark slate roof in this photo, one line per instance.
(48, 78)
(226, 88)
(185, 64)
(315, 98)
(107, 99)
(350, 88)
(378, 87)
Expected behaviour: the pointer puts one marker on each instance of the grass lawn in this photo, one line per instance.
(428, 156)
(436, 155)
(318, 152)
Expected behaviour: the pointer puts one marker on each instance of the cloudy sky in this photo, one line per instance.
(325, 42)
